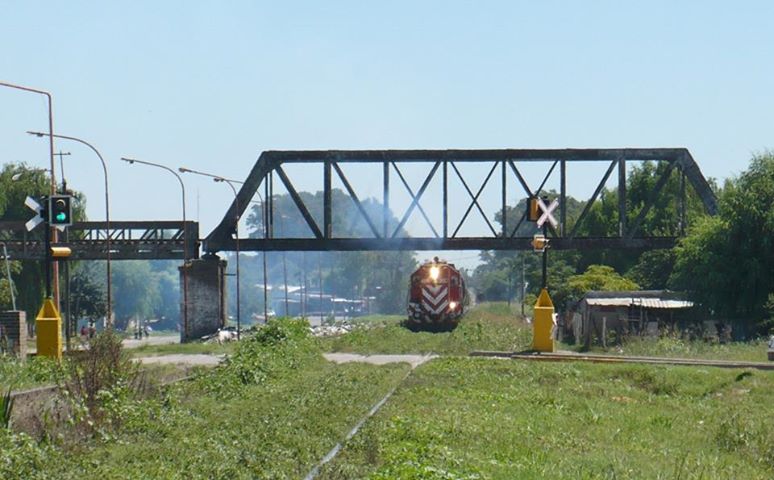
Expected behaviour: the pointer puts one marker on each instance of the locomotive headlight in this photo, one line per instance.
(452, 305)
(434, 273)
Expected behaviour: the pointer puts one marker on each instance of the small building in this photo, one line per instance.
(631, 312)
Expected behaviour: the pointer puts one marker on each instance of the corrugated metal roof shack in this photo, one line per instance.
(634, 312)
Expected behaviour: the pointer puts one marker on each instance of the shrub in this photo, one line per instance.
(276, 348)
(102, 380)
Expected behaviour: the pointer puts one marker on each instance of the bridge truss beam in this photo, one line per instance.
(129, 240)
(445, 163)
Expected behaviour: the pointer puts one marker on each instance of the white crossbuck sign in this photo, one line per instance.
(547, 212)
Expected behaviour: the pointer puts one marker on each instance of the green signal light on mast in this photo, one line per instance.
(60, 210)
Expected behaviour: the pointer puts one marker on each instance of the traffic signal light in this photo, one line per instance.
(58, 251)
(533, 209)
(60, 212)
(539, 243)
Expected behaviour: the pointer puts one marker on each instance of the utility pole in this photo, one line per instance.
(523, 285)
(67, 310)
(61, 168)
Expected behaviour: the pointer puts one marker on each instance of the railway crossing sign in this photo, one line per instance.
(39, 209)
(547, 212)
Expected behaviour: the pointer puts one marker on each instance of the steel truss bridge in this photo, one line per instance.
(143, 240)
(506, 165)
(167, 239)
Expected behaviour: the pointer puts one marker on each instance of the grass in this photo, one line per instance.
(275, 407)
(269, 431)
(33, 372)
(182, 348)
(752, 351)
(460, 418)
(491, 326)
(272, 410)
(496, 326)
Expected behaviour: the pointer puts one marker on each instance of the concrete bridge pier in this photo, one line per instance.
(206, 298)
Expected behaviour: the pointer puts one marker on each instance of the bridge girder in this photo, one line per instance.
(508, 161)
(129, 240)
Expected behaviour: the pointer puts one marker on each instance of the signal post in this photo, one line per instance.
(56, 212)
(543, 322)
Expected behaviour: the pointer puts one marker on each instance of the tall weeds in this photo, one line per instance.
(99, 381)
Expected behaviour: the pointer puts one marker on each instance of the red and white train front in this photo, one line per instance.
(436, 296)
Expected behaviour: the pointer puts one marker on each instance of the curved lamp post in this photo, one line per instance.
(185, 238)
(230, 183)
(52, 232)
(109, 306)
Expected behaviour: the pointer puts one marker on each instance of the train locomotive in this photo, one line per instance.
(436, 298)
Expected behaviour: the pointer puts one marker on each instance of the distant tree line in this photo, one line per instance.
(725, 263)
(383, 275)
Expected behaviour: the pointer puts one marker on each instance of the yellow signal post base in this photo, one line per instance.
(48, 324)
(543, 324)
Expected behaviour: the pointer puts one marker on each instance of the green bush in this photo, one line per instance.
(21, 457)
(36, 371)
(277, 347)
(102, 386)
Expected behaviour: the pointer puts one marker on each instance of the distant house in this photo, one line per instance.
(632, 312)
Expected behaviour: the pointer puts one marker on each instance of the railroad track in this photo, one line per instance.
(600, 358)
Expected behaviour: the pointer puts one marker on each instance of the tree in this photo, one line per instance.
(6, 300)
(136, 294)
(653, 269)
(727, 262)
(87, 291)
(17, 181)
(345, 274)
(598, 278)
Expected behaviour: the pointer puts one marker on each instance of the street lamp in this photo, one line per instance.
(230, 183)
(185, 239)
(51, 232)
(109, 305)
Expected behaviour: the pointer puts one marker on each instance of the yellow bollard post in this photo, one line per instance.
(543, 324)
(48, 324)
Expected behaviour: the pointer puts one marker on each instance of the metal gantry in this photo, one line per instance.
(129, 240)
(445, 164)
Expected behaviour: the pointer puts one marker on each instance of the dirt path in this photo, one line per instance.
(413, 360)
(212, 360)
(196, 359)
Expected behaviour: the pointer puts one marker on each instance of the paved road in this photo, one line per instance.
(153, 340)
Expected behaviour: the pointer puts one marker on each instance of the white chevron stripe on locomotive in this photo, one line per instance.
(437, 310)
(435, 298)
(435, 294)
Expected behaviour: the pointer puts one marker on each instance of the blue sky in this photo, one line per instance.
(209, 85)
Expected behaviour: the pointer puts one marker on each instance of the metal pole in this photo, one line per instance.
(523, 285)
(236, 230)
(109, 305)
(184, 333)
(265, 213)
(8, 274)
(68, 311)
(545, 257)
(284, 265)
(303, 295)
(52, 232)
